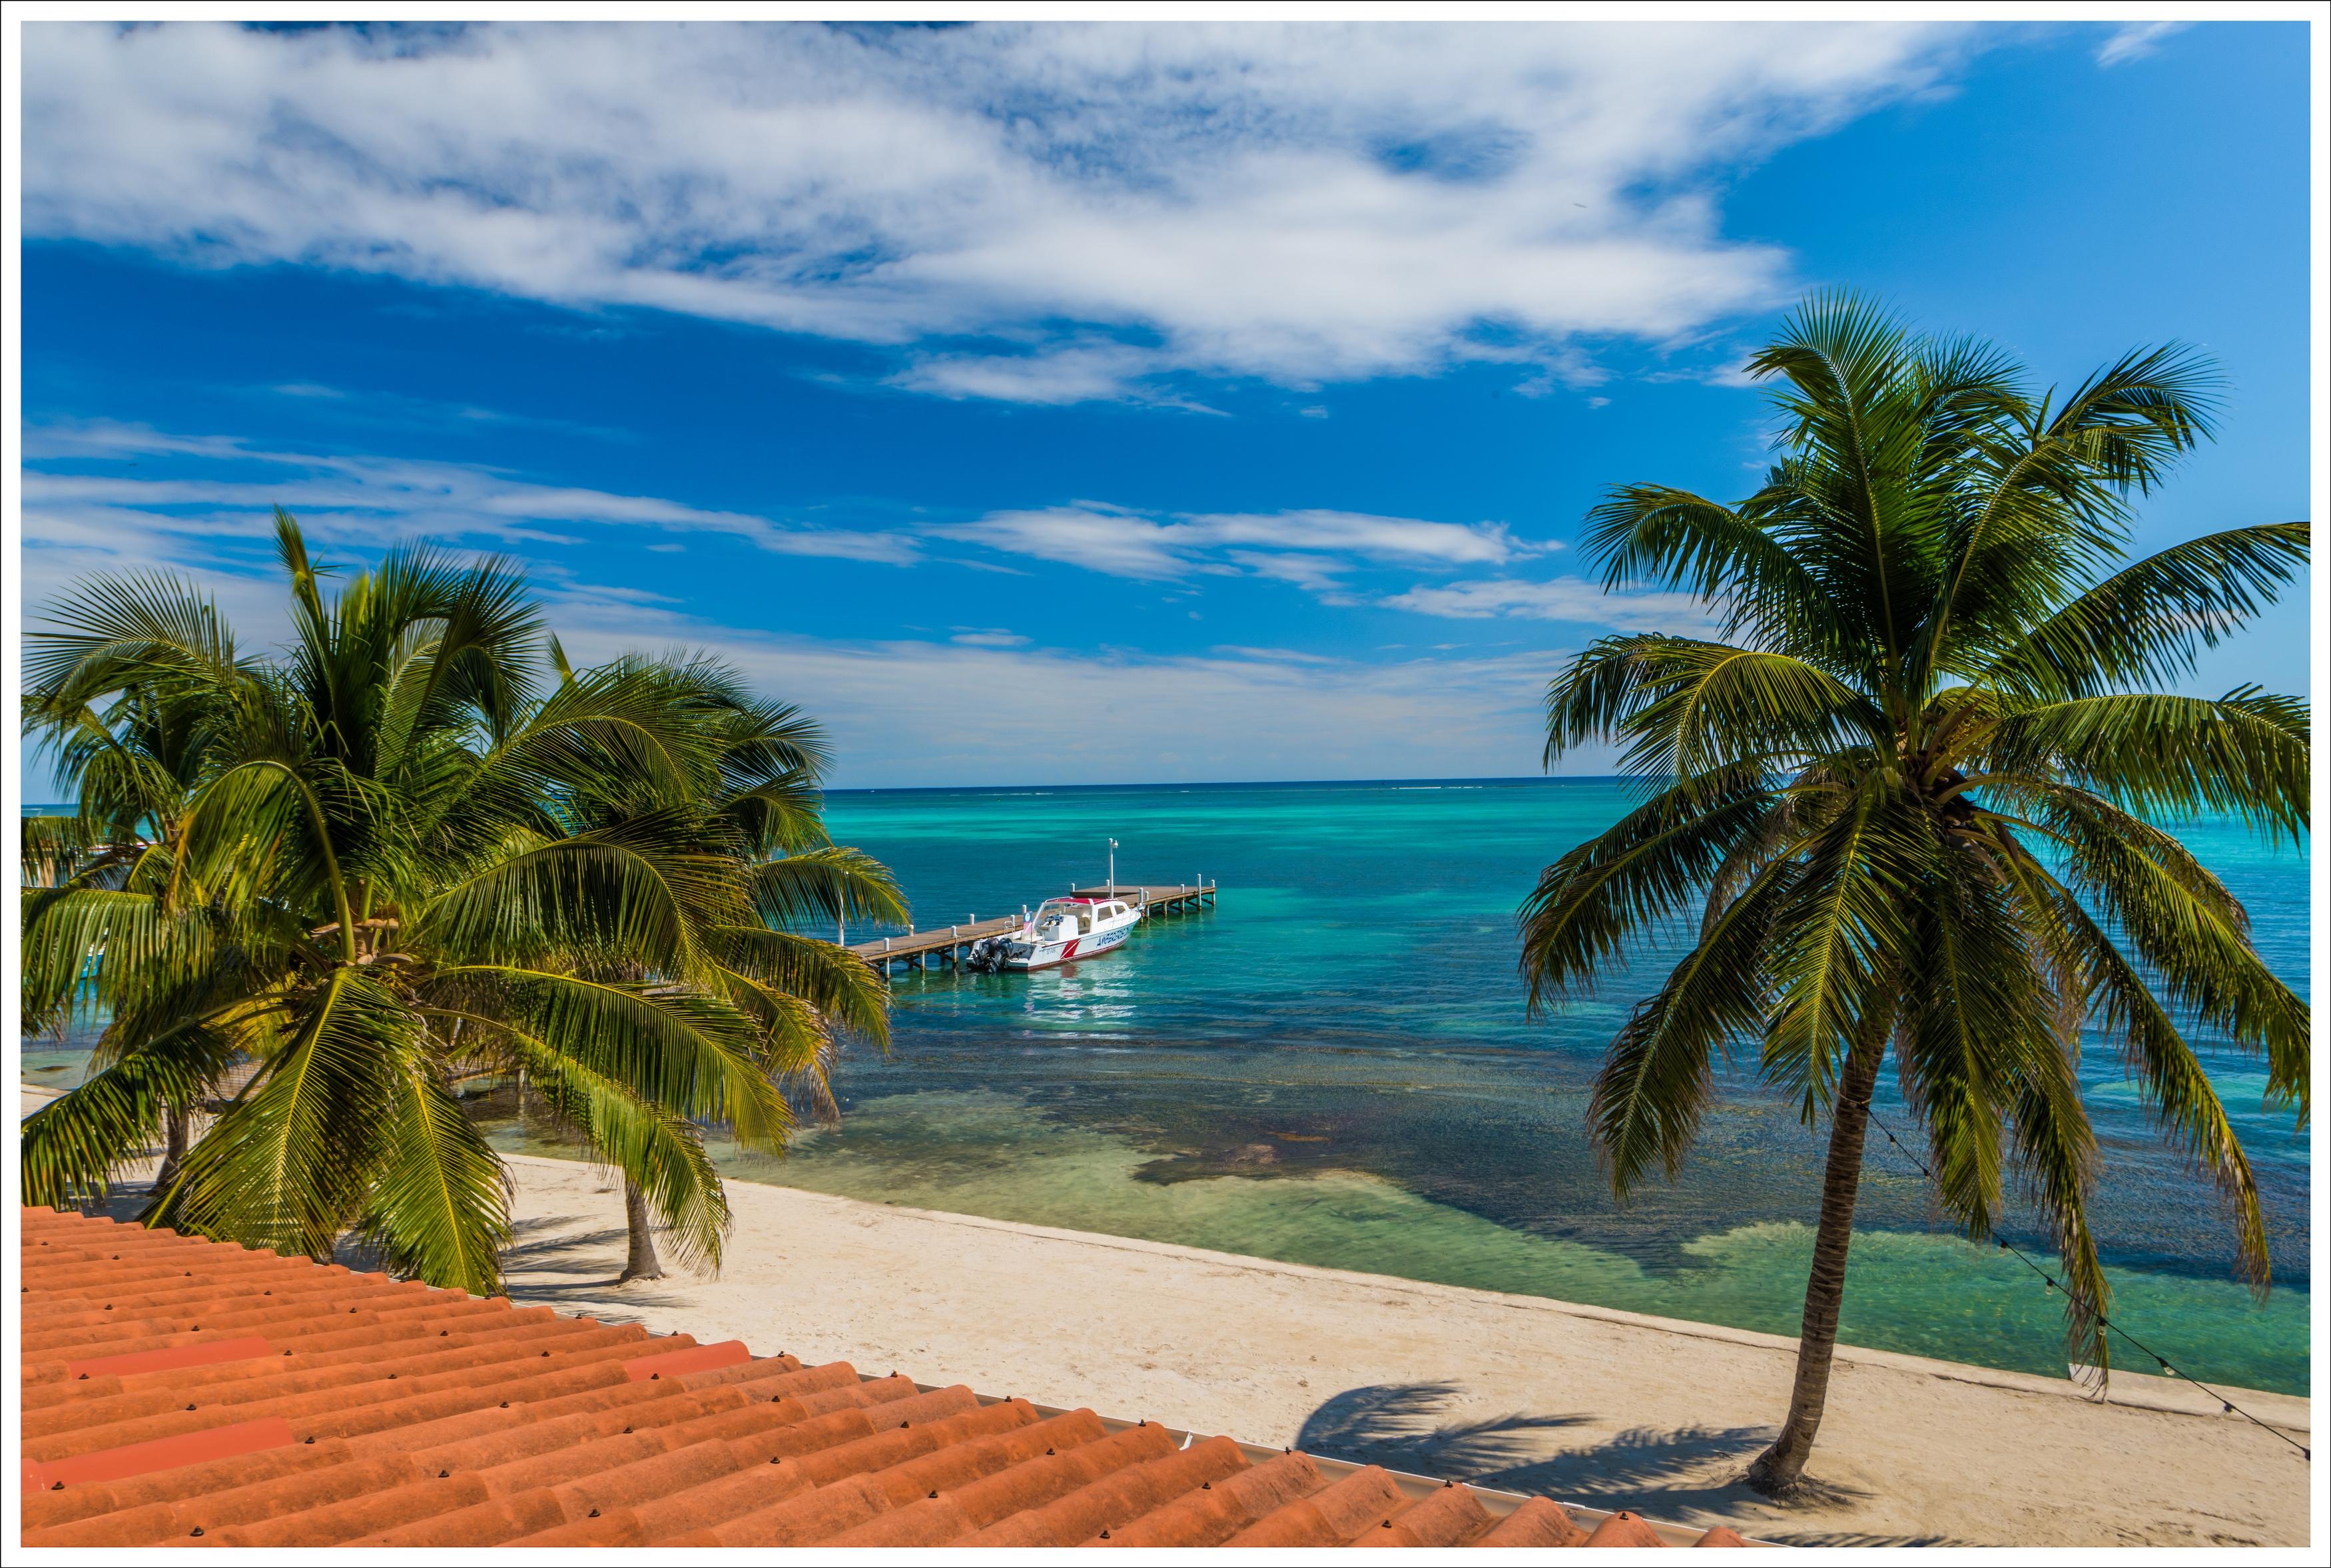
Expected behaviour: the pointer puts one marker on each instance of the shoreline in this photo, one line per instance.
(1595, 1405)
(2136, 1391)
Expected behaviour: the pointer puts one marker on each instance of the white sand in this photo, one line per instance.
(1659, 1416)
(1650, 1414)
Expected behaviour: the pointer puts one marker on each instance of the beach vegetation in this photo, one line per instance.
(1911, 798)
(310, 893)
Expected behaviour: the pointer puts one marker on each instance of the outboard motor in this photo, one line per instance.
(986, 955)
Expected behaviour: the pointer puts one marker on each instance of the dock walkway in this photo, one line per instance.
(940, 946)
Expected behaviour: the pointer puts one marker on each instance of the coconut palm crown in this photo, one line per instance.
(401, 853)
(1906, 800)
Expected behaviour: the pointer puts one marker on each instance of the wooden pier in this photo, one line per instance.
(940, 946)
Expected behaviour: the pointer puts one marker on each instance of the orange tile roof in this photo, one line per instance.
(176, 1389)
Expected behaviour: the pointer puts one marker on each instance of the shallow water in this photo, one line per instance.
(1334, 1068)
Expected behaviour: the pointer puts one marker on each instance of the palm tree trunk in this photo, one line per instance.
(1780, 1468)
(641, 1264)
(174, 1146)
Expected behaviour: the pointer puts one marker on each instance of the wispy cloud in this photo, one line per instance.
(976, 706)
(339, 494)
(375, 408)
(920, 712)
(1037, 213)
(1311, 547)
(2134, 41)
(1571, 599)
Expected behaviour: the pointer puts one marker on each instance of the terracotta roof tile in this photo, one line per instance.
(1451, 1516)
(1540, 1522)
(1329, 1516)
(179, 1390)
(1116, 1500)
(123, 1460)
(1624, 1529)
(176, 1359)
(674, 1363)
(1214, 1513)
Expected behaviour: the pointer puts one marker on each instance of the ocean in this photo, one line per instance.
(1333, 1066)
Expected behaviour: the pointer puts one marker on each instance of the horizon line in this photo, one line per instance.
(31, 807)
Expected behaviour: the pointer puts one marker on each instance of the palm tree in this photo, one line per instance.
(137, 761)
(1906, 795)
(389, 875)
(763, 811)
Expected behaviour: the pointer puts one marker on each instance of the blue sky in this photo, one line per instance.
(1093, 403)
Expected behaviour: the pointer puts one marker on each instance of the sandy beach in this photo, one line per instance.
(1605, 1407)
(1587, 1404)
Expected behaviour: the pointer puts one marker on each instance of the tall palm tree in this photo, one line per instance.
(1905, 798)
(387, 875)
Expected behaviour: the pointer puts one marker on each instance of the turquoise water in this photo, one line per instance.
(1334, 1068)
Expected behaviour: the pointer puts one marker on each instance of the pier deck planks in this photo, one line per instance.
(946, 944)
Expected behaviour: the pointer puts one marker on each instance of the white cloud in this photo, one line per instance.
(1314, 574)
(1092, 535)
(1308, 546)
(979, 708)
(930, 713)
(965, 705)
(2134, 41)
(1099, 202)
(358, 496)
(226, 486)
(1273, 655)
(1363, 534)
(1574, 599)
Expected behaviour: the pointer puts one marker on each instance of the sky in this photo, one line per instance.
(1095, 403)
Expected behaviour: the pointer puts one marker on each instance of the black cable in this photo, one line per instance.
(2102, 1321)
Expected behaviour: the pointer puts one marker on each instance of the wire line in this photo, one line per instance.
(2103, 1322)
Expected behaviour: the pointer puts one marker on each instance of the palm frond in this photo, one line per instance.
(439, 1207)
(1643, 869)
(290, 1162)
(2188, 936)
(824, 886)
(1656, 1078)
(71, 1149)
(690, 1052)
(764, 967)
(661, 1151)
(2146, 624)
(2244, 754)
(626, 890)
(1837, 946)
(2153, 1051)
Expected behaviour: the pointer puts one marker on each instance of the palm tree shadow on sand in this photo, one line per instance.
(549, 1261)
(1684, 1473)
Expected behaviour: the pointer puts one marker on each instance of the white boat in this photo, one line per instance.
(1083, 926)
